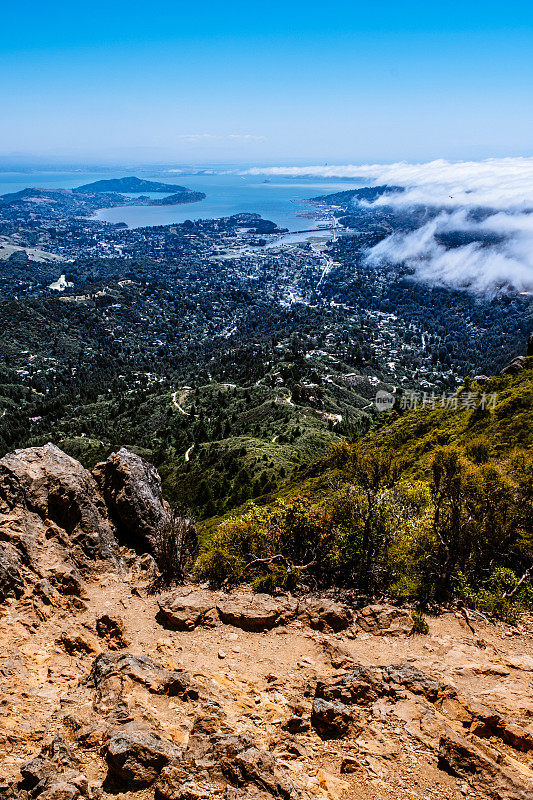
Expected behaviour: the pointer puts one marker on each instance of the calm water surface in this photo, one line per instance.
(281, 200)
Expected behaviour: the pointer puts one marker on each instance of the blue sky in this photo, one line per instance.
(270, 83)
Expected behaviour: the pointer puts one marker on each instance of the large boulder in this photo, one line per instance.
(385, 620)
(184, 609)
(132, 490)
(324, 614)
(52, 512)
(256, 612)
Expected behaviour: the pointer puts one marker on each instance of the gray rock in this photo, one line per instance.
(331, 719)
(136, 755)
(47, 495)
(132, 490)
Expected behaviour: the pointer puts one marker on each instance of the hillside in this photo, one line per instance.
(367, 194)
(435, 503)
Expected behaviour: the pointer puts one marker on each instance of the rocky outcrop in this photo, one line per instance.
(112, 631)
(185, 608)
(462, 757)
(259, 612)
(112, 675)
(331, 719)
(45, 482)
(514, 366)
(132, 490)
(11, 581)
(340, 702)
(325, 615)
(53, 517)
(54, 774)
(384, 620)
(242, 762)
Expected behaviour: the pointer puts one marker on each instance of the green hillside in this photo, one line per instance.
(437, 502)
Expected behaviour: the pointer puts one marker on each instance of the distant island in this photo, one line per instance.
(131, 185)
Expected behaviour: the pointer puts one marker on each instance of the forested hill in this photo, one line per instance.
(367, 193)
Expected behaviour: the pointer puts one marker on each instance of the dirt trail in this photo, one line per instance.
(257, 680)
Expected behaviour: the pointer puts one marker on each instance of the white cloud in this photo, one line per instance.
(496, 183)
(504, 185)
(484, 268)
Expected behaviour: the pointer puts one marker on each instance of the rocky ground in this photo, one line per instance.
(111, 690)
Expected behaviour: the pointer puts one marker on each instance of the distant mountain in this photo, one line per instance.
(132, 185)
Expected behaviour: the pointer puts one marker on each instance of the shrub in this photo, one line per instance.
(176, 546)
(478, 450)
(419, 624)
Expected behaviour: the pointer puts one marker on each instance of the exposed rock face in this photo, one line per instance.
(243, 763)
(11, 581)
(246, 700)
(516, 365)
(52, 513)
(132, 490)
(466, 756)
(462, 757)
(331, 720)
(112, 672)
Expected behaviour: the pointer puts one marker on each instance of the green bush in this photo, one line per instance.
(419, 624)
